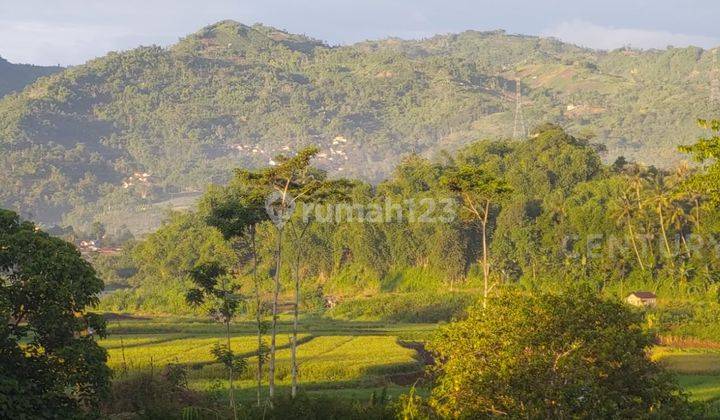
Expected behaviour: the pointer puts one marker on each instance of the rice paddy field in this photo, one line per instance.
(342, 358)
(347, 359)
(697, 369)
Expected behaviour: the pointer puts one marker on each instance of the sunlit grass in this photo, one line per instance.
(701, 387)
(697, 370)
(350, 358)
(345, 358)
(142, 352)
(688, 361)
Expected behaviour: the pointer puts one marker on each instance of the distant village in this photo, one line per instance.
(92, 247)
(332, 158)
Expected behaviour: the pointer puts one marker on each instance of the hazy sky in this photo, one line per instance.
(73, 31)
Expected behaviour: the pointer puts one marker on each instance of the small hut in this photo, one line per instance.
(644, 299)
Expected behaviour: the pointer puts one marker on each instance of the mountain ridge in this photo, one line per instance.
(14, 77)
(235, 95)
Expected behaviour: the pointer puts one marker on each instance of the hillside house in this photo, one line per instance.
(644, 299)
(88, 246)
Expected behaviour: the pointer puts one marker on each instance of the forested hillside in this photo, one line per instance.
(14, 77)
(563, 215)
(114, 137)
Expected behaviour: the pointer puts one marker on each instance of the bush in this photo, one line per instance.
(323, 407)
(700, 320)
(413, 279)
(570, 355)
(157, 299)
(149, 395)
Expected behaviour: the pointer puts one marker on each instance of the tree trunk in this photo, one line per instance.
(648, 237)
(664, 234)
(684, 242)
(276, 293)
(486, 268)
(230, 373)
(293, 353)
(534, 271)
(258, 315)
(296, 309)
(634, 245)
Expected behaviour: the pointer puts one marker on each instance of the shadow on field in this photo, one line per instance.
(200, 365)
(309, 325)
(113, 316)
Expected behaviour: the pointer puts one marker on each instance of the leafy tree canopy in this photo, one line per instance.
(51, 366)
(571, 355)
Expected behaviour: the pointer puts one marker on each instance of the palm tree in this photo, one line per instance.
(662, 200)
(624, 218)
(678, 219)
(638, 177)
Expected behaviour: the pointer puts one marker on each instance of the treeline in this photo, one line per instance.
(14, 77)
(560, 216)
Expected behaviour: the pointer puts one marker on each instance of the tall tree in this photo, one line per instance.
(478, 191)
(323, 191)
(624, 217)
(290, 181)
(706, 150)
(236, 210)
(662, 200)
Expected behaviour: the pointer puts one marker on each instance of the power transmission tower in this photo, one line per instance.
(714, 79)
(519, 125)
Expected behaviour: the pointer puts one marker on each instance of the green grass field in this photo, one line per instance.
(345, 359)
(698, 370)
(342, 358)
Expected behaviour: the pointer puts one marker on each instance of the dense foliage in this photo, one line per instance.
(564, 217)
(14, 77)
(553, 214)
(105, 140)
(551, 356)
(51, 366)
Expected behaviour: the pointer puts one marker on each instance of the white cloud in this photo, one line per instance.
(607, 37)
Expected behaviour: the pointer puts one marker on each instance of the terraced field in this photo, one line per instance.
(343, 358)
(347, 358)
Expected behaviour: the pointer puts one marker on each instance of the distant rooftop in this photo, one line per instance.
(644, 295)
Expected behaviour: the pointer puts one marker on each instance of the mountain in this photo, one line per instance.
(14, 77)
(142, 129)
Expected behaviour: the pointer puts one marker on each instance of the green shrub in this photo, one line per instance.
(158, 299)
(545, 356)
(323, 407)
(151, 395)
(699, 320)
(405, 307)
(413, 279)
